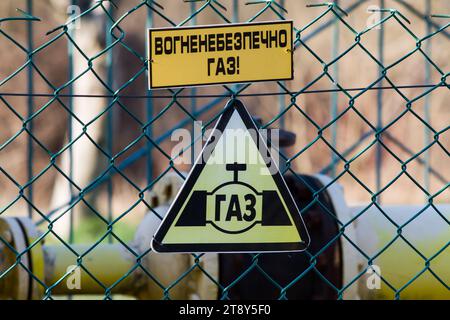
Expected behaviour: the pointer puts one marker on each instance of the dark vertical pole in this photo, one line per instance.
(426, 132)
(110, 114)
(71, 31)
(334, 95)
(30, 102)
(149, 108)
(378, 155)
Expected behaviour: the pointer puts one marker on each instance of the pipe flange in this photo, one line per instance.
(20, 259)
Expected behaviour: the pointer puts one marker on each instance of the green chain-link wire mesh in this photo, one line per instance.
(377, 136)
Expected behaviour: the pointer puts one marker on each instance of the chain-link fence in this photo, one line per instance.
(85, 149)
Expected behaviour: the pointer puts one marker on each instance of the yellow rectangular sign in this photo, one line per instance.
(219, 54)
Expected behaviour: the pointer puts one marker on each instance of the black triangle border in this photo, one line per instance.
(192, 179)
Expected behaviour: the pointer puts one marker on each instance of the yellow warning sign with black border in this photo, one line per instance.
(220, 54)
(229, 203)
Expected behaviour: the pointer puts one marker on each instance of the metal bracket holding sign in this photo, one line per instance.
(233, 200)
(220, 54)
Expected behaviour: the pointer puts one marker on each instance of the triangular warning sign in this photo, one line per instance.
(234, 199)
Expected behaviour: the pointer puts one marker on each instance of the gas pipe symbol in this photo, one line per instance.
(234, 206)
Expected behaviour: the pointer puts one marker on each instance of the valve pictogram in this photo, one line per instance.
(238, 206)
(235, 205)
